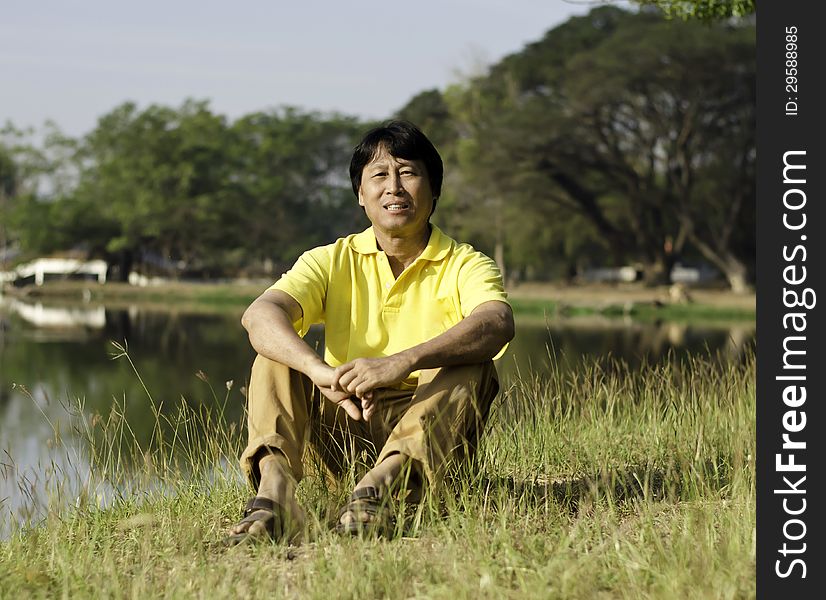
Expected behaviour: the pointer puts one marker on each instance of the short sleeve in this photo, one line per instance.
(479, 281)
(306, 282)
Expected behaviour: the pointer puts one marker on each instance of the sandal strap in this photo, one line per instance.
(258, 503)
(369, 501)
(365, 493)
(270, 518)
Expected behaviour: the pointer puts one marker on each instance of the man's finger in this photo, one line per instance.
(354, 383)
(346, 379)
(338, 372)
(362, 388)
(351, 409)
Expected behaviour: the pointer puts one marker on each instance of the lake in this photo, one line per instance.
(52, 357)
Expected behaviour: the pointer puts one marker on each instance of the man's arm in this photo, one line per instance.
(476, 338)
(268, 321)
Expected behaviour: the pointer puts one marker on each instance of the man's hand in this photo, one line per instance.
(322, 375)
(363, 375)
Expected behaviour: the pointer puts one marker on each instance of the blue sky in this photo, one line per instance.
(74, 61)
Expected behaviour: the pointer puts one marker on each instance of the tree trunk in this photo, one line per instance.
(658, 270)
(656, 273)
(499, 248)
(124, 265)
(737, 276)
(735, 271)
(499, 257)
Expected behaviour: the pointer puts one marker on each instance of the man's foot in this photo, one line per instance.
(366, 512)
(274, 513)
(368, 508)
(260, 512)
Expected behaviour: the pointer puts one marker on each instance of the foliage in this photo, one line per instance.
(181, 190)
(290, 169)
(635, 126)
(704, 10)
(430, 112)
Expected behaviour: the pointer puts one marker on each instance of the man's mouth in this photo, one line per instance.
(396, 206)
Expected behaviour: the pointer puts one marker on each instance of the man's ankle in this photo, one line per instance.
(271, 462)
(399, 474)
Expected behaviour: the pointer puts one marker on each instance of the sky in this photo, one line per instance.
(72, 62)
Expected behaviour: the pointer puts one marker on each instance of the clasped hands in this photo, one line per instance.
(359, 378)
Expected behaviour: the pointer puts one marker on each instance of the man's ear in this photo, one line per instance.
(361, 197)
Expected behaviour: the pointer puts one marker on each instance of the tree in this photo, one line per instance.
(290, 169)
(703, 10)
(8, 189)
(154, 187)
(430, 112)
(33, 176)
(618, 117)
(182, 190)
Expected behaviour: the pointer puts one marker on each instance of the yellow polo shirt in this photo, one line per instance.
(368, 313)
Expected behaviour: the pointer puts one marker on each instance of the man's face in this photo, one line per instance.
(396, 194)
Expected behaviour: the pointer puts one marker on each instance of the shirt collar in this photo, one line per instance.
(438, 246)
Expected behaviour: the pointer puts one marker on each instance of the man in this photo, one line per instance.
(412, 322)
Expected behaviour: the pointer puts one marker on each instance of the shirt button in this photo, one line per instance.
(387, 286)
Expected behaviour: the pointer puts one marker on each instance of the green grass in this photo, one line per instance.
(602, 483)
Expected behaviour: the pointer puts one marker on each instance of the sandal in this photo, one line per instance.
(261, 509)
(367, 502)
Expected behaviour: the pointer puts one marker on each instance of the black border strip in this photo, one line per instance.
(790, 277)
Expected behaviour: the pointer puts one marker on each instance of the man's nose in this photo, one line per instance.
(394, 184)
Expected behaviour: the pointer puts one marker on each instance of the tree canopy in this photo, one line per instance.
(642, 129)
(703, 10)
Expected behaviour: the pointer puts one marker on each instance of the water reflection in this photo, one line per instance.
(566, 343)
(52, 357)
(54, 317)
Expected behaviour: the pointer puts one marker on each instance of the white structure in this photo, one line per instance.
(41, 267)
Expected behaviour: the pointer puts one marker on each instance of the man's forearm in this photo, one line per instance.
(272, 335)
(477, 338)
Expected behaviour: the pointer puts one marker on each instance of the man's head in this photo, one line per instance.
(403, 140)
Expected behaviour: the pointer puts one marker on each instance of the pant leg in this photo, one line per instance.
(284, 410)
(440, 425)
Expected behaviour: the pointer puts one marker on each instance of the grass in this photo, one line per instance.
(600, 483)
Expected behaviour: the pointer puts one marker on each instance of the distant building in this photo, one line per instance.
(40, 269)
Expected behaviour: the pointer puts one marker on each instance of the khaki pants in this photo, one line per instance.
(437, 424)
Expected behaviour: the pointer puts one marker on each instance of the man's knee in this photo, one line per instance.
(460, 374)
(264, 367)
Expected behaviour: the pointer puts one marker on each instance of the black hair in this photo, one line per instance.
(402, 140)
